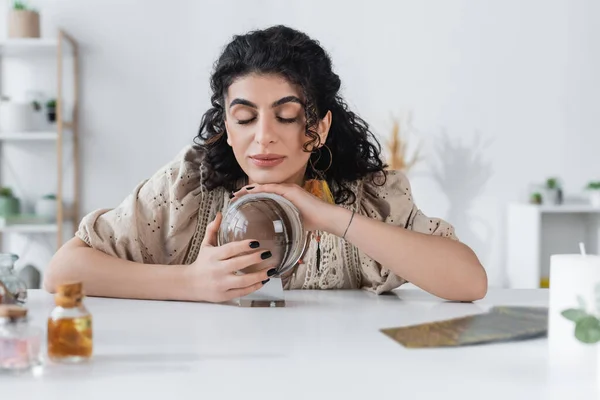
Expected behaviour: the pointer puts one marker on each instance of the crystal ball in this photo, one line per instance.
(274, 222)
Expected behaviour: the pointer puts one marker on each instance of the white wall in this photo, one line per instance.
(503, 92)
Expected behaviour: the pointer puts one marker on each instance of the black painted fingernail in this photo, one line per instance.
(231, 195)
(250, 188)
(265, 281)
(254, 244)
(266, 255)
(271, 272)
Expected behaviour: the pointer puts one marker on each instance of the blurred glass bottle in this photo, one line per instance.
(20, 343)
(16, 288)
(70, 326)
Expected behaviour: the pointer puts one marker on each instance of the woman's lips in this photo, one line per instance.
(267, 161)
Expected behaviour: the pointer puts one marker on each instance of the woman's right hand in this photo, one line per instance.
(212, 277)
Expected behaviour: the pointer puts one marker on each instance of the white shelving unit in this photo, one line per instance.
(63, 49)
(30, 228)
(29, 47)
(563, 209)
(535, 232)
(28, 136)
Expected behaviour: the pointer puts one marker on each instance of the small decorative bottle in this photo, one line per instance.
(69, 326)
(19, 342)
(16, 289)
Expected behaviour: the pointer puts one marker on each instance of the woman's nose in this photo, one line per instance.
(265, 132)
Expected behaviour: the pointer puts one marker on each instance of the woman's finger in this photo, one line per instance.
(235, 249)
(244, 261)
(212, 231)
(243, 191)
(245, 280)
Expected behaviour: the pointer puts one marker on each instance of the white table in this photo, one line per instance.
(324, 344)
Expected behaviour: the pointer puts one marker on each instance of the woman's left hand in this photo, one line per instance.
(312, 209)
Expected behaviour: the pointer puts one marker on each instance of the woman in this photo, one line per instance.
(277, 121)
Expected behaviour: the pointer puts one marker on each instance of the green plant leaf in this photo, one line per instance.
(594, 185)
(587, 330)
(6, 192)
(574, 314)
(19, 5)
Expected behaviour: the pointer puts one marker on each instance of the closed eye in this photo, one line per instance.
(246, 121)
(287, 120)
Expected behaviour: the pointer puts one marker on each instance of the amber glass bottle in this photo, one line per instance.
(70, 326)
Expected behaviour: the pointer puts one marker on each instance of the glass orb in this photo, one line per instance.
(274, 222)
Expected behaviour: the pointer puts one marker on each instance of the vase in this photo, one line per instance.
(51, 114)
(553, 196)
(9, 206)
(23, 24)
(46, 208)
(16, 116)
(595, 198)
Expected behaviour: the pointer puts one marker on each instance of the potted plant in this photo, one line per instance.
(553, 191)
(46, 208)
(23, 21)
(51, 110)
(536, 198)
(9, 204)
(594, 193)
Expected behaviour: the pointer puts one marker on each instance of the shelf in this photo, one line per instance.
(28, 47)
(62, 50)
(28, 136)
(30, 228)
(569, 209)
(561, 209)
(536, 232)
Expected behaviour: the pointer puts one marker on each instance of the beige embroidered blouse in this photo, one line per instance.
(163, 222)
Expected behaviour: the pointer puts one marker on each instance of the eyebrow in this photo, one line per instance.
(287, 99)
(280, 102)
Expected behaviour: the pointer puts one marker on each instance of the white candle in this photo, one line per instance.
(573, 279)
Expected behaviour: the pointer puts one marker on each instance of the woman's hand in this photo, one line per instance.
(212, 277)
(311, 207)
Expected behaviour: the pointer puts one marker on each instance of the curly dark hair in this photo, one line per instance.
(302, 61)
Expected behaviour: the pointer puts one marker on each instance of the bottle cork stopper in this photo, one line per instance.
(69, 295)
(70, 289)
(12, 312)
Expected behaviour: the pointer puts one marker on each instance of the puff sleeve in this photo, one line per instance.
(155, 223)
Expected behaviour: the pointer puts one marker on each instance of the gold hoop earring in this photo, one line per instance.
(321, 173)
(318, 185)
